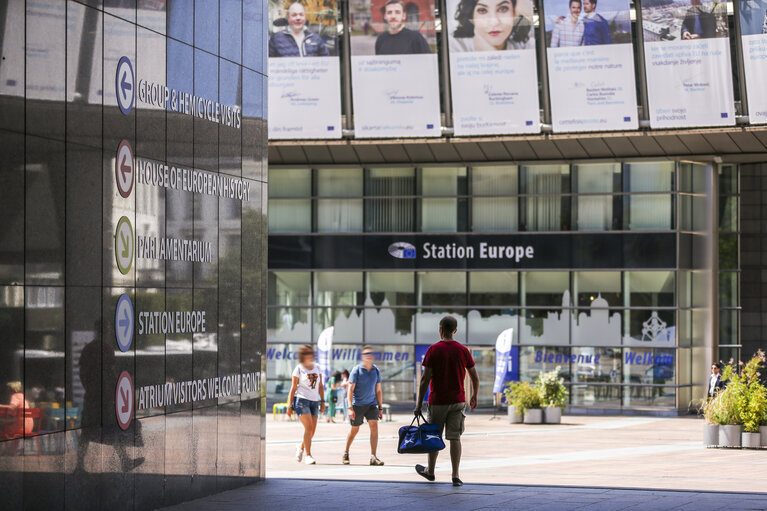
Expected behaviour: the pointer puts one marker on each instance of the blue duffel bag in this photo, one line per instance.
(420, 438)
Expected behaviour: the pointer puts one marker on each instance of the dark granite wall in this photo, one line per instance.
(753, 258)
(70, 224)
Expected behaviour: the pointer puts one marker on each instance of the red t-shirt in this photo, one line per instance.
(448, 361)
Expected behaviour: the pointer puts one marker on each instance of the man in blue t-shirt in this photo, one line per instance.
(365, 402)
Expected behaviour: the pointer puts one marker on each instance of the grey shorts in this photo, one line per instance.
(450, 417)
(369, 412)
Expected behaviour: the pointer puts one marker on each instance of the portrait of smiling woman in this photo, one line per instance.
(491, 25)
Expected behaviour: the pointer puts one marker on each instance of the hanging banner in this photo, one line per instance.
(687, 61)
(304, 71)
(324, 347)
(505, 359)
(493, 70)
(591, 65)
(753, 31)
(395, 78)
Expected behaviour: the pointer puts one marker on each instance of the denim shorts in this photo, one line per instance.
(302, 406)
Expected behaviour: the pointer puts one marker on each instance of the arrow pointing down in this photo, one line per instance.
(124, 167)
(124, 395)
(125, 322)
(126, 251)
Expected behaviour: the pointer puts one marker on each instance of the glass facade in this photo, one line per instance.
(112, 251)
(628, 333)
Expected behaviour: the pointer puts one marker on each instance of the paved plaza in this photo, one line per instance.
(601, 463)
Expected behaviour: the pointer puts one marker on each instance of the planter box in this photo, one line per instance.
(730, 436)
(711, 435)
(552, 415)
(514, 416)
(763, 434)
(751, 440)
(534, 416)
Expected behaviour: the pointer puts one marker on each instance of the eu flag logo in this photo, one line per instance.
(331, 128)
(528, 123)
(429, 126)
(627, 119)
(724, 115)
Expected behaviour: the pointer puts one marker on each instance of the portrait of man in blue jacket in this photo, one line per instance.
(297, 40)
(596, 30)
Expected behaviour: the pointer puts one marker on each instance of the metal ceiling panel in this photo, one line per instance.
(495, 151)
(520, 150)
(747, 142)
(394, 153)
(368, 153)
(761, 136)
(722, 143)
(671, 144)
(418, 152)
(621, 146)
(696, 143)
(318, 154)
(293, 154)
(274, 155)
(343, 154)
(647, 146)
(469, 151)
(570, 148)
(443, 151)
(545, 150)
(596, 148)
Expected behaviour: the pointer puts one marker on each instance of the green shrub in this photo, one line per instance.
(523, 395)
(552, 389)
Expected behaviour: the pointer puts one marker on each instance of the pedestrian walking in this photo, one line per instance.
(445, 366)
(365, 402)
(307, 399)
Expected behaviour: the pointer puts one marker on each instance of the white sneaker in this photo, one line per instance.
(299, 454)
(310, 461)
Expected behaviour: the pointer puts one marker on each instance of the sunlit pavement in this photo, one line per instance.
(600, 463)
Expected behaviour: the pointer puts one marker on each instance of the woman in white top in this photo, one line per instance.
(307, 399)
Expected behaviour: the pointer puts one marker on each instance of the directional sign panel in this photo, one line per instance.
(125, 88)
(124, 400)
(124, 245)
(124, 323)
(124, 169)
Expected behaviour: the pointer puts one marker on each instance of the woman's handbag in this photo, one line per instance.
(421, 438)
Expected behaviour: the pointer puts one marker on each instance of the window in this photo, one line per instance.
(443, 288)
(339, 182)
(545, 208)
(650, 288)
(439, 215)
(334, 288)
(390, 288)
(494, 288)
(394, 214)
(551, 288)
(648, 176)
(339, 215)
(595, 212)
(592, 285)
(495, 180)
(289, 288)
(290, 215)
(290, 182)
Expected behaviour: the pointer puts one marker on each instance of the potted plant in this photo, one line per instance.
(753, 401)
(527, 399)
(515, 412)
(710, 428)
(553, 395)
(727, 407)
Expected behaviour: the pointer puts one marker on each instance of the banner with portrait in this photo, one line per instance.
(591, 65)
(304, 71)
(753, 32)
(493, 70)
(687, 61)
(395, 80)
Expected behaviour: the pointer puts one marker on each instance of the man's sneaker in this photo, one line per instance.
(345, 459)
(375, 462)
(309, 460)
(299, 454)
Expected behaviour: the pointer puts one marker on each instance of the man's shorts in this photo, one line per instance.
(303, 406)
(369, 412)
(450, 417)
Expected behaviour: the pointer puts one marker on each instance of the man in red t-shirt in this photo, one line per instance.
(445, 366)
